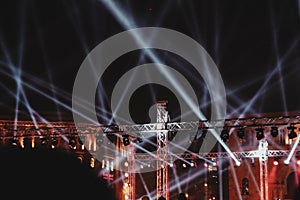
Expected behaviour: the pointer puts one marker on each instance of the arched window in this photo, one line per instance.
(292, 184)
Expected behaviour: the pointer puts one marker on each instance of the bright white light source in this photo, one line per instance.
(286, 162)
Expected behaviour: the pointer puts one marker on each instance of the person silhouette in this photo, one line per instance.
(161, 198)
(296, 195)
(47, 173)
(182, 196)
(145, 198)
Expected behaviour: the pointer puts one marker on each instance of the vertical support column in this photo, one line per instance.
(131, 169)
(129, 184)
(118, 185)
(162, 179)
(263, 169)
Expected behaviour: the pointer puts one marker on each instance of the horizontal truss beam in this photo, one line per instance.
(9, 125)
(56, 129)
(218, 155)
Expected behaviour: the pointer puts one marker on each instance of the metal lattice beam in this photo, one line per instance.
(161, 127)
(9, 125)
(217, 155)
(162, 179)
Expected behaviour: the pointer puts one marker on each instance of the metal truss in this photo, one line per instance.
(9, 129)
(180, 126)
(217, 155)
(162, 179)
(86, 128)
(263, 169)
(132, 173)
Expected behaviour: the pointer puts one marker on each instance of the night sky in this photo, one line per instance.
(255, 45)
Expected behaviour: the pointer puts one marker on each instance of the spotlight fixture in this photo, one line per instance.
(81, 141)
(43, 140)
(245, 186)
(292, 133)
(275, 162)
(201, 133)
(238, 163)
(54, 142)
(139, 140)
(274, 131)
(72, 142)
(172, 165)
(225, 134)
(259, 133)
(252, 162)
(204, 132)
(171, 134)
(14, 142)
(241, 133)
(192, 164)
(126, 140)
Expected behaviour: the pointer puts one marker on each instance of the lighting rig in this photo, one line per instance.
(54, 130)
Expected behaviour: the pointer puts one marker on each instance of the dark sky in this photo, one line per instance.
(45, 42)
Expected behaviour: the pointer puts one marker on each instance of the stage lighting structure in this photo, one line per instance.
(72, 142)
(225, 134)
(274, 131)
(252, 162)
(43, 140)
(260, 133)
(183, 196)
(292, 133)
(14, 142)
(54, 142)
(126, 140)
(275, 162)
(138, 140)
(241, 133)
(204, 132)
(171, 134)
(245, 186)
(80, 141)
